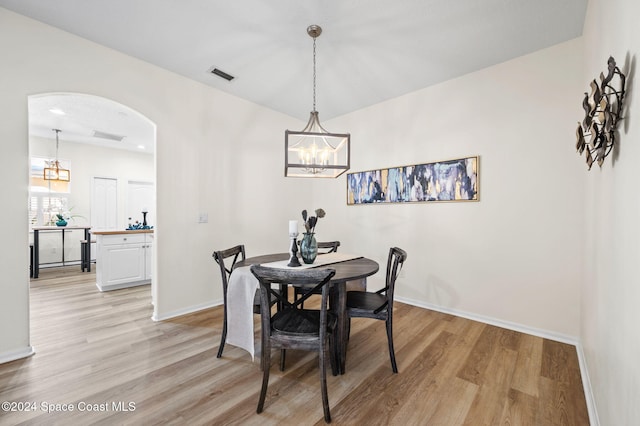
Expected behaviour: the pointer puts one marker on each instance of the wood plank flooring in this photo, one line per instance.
(102, 355)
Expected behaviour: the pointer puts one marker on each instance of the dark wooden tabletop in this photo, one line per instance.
(348, 270)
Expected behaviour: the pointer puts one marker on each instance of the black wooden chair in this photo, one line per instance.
(323, 247)
(237, 253)
(379, 305)
(293, 327)
(328, 246)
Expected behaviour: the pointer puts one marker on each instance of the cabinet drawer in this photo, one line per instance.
(108, 240)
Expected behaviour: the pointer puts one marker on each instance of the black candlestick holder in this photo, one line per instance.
(294, 262)
(144, 218)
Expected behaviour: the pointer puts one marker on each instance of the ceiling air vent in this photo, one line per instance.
(222, 74)
(105, 135)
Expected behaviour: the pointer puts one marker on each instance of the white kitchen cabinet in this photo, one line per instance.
(123, 259)
(148, 255)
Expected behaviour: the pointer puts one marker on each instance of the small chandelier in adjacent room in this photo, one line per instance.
(313, 151)
(53, 171)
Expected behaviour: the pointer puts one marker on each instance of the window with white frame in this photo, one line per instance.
(47, 198)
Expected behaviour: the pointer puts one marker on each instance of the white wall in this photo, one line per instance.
(515, 257)
(611, 290)
(215, 154)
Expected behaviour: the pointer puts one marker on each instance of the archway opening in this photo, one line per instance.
(99, 140)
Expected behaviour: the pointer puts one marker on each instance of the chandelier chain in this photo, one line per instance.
(314, 74)
(57, 142)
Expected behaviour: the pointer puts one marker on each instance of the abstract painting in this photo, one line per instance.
(451, 180)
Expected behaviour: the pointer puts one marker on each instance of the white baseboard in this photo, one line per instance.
(185, 311)
(586, 383)
(14, 355)
(546, 334)
(111, 287)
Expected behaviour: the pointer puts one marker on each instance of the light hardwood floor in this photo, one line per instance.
(102, 351)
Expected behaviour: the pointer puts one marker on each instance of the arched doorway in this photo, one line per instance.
(99, 141)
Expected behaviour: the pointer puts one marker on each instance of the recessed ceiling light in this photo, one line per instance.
(57, 111)
(140, 146)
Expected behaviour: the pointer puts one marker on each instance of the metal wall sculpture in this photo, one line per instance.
(603, 110)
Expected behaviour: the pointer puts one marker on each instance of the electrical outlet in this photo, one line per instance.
(203, 218)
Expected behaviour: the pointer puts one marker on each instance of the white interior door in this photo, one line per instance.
(104, 206)
(141, 197)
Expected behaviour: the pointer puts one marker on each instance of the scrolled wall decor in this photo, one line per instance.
(603, 110)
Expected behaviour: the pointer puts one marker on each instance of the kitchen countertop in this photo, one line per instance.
(132, 231)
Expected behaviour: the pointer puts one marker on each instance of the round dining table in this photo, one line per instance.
(348, 270)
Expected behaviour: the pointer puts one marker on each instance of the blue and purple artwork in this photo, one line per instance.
(452, 180)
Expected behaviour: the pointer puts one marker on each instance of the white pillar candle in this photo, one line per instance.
(293, 226)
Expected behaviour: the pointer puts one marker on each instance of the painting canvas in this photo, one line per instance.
(451, 180)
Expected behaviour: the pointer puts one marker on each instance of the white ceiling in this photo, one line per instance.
(369, 51)
(90, 119)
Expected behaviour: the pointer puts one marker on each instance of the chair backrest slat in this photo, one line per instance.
(220, 256)
(326, 246)
(395, 260)
(331, 245)
(309, 280)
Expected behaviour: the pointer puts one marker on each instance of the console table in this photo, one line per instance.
(36, 242)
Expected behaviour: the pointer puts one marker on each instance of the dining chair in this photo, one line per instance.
(236, 254)
(379, 305)
(323, 247)
(293, 327)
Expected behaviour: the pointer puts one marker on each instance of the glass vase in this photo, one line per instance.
(308, 247)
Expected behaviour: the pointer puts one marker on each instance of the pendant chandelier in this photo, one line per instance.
(313, 151)
(54, 171)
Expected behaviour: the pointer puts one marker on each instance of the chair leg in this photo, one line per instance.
(323, 384)
(223, 338)
(261, 349)
(333, 354)
(392, 354)
(83, 256)
(283, 353)
(266, 364)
